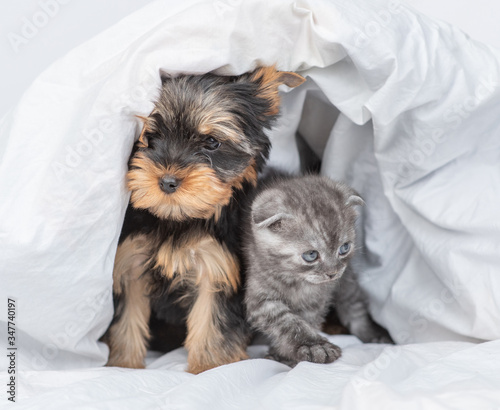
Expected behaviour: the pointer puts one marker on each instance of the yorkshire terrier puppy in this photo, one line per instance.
(194, 164)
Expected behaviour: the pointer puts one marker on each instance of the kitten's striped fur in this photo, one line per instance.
(287, 297)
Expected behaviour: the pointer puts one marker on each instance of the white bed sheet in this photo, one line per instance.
(415, 132)
(444, 375)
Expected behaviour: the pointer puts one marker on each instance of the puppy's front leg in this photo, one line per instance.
(128, 334)
(217, 331)
(216, 335)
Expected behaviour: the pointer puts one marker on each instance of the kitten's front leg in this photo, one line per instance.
(292, 339)
(352, 310)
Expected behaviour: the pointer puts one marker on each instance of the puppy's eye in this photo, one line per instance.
(344, 248)
(211, 144)
(310, 256)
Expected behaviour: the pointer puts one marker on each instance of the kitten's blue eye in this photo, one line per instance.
(310, 256)
(344, 248)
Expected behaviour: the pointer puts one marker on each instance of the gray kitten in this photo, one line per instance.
(301, 235)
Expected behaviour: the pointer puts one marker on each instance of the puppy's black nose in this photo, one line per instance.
(169, 184)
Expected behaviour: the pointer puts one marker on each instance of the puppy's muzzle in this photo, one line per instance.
(169, 184)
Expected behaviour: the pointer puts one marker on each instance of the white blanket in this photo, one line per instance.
(444, 375)
(403, 108)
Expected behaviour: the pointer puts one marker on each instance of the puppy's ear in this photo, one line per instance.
(268, 80)
(268, 210)
(291, 79)
(143, 140)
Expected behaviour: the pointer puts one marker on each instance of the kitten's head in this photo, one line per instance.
(304, 228)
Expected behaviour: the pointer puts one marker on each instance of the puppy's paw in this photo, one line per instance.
(131, 364)
(320, 352)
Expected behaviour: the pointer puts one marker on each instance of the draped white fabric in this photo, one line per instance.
(403, 108)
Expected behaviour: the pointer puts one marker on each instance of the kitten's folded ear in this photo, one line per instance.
(355, 199)
(164, 76)
(268, 210)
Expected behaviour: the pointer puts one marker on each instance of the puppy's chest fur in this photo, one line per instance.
(183, 256)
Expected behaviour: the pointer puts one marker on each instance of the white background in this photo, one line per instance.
(57, 237)
(76, 21)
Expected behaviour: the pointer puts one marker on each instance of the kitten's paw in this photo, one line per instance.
(281, 359)
(373, 333)
(382, 338)
(321, 352)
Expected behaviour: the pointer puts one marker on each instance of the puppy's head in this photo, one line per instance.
(204, 138)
